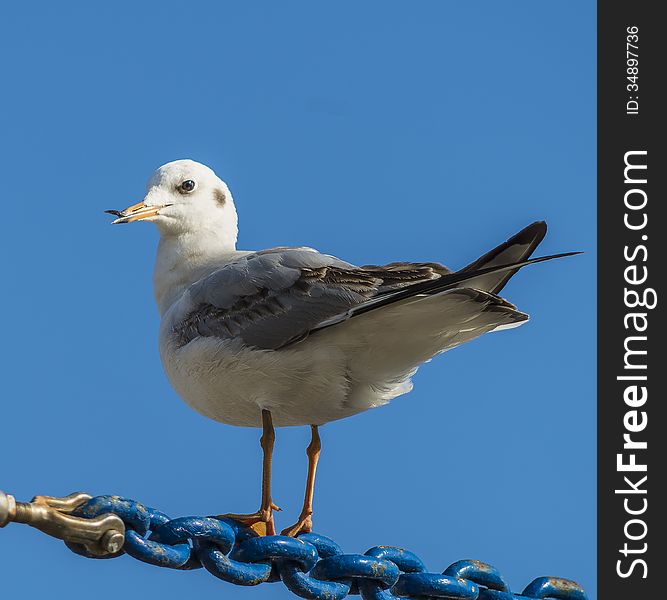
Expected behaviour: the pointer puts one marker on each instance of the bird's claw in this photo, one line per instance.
(303, 525)
(261, 522)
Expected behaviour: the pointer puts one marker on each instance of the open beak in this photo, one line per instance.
(136, 212)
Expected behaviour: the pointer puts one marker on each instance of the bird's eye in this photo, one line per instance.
(187, 186)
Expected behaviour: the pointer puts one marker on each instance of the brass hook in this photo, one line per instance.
(101, 536)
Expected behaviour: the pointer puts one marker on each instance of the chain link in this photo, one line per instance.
(311, 565)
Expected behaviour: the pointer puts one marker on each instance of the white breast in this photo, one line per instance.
(229, 382)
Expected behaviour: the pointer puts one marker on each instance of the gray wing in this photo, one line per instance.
(271, 298)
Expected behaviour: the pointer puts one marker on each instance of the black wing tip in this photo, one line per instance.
(532, 234)
(539, 259)
(466, 273)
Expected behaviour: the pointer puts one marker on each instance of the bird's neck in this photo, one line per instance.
(186, 258)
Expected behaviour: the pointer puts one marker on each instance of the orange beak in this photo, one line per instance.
(136, 212)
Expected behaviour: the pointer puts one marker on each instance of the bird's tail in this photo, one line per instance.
(397, 332)
(489, 273)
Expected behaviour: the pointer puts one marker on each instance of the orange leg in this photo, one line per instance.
(305, 522)
(262, 520)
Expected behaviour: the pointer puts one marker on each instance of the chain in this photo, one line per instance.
(311, 565)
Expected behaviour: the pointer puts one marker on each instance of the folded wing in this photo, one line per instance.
(276, 297)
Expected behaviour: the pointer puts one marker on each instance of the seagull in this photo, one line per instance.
(290, 336)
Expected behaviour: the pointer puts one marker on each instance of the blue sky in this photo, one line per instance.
(376, 131)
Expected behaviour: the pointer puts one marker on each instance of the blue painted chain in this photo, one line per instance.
(311, 566)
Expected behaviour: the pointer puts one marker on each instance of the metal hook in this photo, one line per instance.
(101, 535)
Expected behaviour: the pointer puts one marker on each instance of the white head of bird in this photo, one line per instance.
(195, 214)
